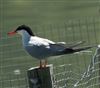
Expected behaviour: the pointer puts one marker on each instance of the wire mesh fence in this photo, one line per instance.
(68, 69)
(90, 78)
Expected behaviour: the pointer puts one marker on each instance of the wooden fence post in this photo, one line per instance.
(40, 77)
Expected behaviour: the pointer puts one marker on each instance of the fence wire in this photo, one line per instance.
(68, 69)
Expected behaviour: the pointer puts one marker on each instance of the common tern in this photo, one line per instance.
(42, 48)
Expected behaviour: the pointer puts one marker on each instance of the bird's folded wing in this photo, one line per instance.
(73, 50)
(72, 45)
(63, 45)
(57, 47)
(60, 46)
(83, 48)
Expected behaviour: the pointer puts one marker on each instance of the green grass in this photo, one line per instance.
(58, 20)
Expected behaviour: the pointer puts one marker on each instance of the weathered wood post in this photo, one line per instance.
(40, 77)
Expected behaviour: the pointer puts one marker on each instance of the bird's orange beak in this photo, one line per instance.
(11, 33)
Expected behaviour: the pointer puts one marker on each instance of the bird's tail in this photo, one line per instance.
(76, 44)
(74, 50)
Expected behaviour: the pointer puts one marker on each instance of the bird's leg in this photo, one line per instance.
(40, 64)
(45, 63)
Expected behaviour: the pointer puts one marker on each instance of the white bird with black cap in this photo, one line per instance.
(42, 48)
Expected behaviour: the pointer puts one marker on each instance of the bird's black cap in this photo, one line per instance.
(26, 28)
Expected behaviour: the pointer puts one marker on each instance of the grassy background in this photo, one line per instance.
(58, 20)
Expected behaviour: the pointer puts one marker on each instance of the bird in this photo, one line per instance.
(42, 48)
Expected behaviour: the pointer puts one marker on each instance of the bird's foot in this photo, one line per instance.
(43, 65)
(40, 66)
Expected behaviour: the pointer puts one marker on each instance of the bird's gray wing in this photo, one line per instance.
(63, 45)
(78, 49)
(72, 45)
(57, 47)
(61, 50)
